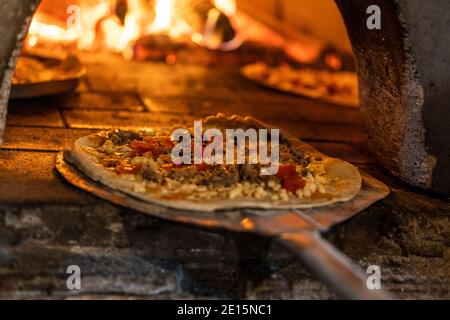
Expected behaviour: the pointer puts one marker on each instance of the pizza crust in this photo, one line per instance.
(344, 179)
(280, 78)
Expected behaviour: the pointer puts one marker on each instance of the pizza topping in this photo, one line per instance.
(121, 137)
(202, 167)
(285, 170)
(293, 182)
(151, 174)
(249, 172)
(141, 147)
(225, 175)
(146, 156)
(167, 166)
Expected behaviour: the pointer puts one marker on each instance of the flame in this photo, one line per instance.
(228, 7)
(163, 19)
(118, 37)
(90, 16)
(100, 27)
(41, 28)
(167, 21)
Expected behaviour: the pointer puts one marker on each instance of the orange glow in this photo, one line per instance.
(333, 62)
(44, 28)
(90, 17)
(98, 25)
(167, 21)
(228, 7)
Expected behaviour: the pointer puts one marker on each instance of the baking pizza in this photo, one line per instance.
(140, 163)
(31, 69)
(336, 87)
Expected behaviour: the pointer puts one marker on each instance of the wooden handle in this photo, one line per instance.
(332, 267)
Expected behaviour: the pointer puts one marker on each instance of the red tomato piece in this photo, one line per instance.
(141, 147)
(165, 158)
(149, 139)
(133, 153)
(293, 182)
(166, 142)
(202, 167)
(285, 170)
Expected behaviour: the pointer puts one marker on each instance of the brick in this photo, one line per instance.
(29, 177)
(46, 139)
(279, 109)
(107, 101)
(90, 119)
(32, 113)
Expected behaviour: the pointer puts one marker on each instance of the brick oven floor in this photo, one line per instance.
(47, 225)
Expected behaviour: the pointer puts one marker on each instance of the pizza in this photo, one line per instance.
(336, 87)
(139, 164)
(31, 69)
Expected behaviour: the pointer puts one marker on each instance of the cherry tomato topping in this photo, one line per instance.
(166, 158)
(202, 167)
(166, 142)
(293, 182)
(141, 147)
(285, 170)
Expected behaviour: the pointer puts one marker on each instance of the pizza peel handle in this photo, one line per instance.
(332, 267)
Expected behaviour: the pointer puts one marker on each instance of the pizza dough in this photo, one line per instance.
(335, 87)
(122, 161)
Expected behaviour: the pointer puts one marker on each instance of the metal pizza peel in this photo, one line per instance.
(298, 230)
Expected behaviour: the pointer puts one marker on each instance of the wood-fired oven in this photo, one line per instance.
(163, 62)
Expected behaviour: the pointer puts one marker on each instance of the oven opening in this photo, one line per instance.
(165, 62)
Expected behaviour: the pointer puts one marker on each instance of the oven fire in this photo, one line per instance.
(116, 25)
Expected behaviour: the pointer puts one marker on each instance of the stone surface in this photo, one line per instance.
(287, 108)
(403, 72)
(129, 254)
(30, 177)
(110, 101)
(29, 113)
(42, 139)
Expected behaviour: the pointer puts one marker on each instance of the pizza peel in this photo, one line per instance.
(298, 230)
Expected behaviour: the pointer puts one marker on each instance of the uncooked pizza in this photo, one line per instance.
(140, 163)
(335, 87)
